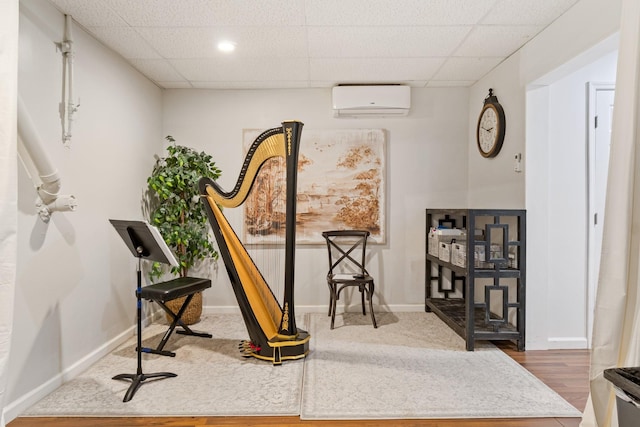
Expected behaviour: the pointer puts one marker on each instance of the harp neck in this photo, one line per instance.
(270, 143)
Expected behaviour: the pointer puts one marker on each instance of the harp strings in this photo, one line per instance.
(265, 215)
(266, 308)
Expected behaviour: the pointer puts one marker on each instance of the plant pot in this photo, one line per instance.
(193, 311)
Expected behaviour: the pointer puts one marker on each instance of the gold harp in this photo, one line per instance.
(271, 326)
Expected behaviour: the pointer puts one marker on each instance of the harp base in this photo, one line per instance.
(278, 351)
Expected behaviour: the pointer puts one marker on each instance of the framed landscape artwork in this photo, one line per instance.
(341, 185)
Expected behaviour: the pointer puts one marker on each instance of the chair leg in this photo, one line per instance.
(373, 317)
(332, 309)
(362, 289)
(336, 297)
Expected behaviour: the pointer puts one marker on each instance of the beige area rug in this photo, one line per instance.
(213, 378)
(412, 366)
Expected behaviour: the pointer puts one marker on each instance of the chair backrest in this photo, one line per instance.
(347, 250)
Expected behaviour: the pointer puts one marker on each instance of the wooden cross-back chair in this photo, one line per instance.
(347, 257)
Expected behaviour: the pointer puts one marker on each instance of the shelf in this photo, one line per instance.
(503, 228)
(451, 311)
(479, 271)
(448, 265)
(454, 310)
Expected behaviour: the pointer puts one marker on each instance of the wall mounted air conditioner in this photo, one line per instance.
(369, 101)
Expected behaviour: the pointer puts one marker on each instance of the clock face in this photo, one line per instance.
(490, 131)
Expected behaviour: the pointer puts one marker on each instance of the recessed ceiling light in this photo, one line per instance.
(226, 46)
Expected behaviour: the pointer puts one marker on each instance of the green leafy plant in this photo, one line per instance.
(176, 209)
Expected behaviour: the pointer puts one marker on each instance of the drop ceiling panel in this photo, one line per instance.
(157, 70)
(314, 43)
(450, 83)
(175, 85)
(250, 69)
(251, 42)
(275, 84)
(370, 70)
(126, 41)
(456, 69)
(527, 12)
(202, 13)
(91, 13)
(396, 12)
(496, 40)
(382, 42)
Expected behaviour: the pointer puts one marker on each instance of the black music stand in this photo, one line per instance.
(144, 241)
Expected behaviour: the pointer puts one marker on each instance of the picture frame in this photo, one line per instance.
(341, 185)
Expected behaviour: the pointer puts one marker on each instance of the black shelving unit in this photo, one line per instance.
(485, 298)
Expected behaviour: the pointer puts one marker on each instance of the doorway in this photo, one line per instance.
(600, 113)
(558, 201)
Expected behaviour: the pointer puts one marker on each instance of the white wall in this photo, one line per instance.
(74, 290)
(555, 306)
(8, 180)
(426, 167)
(75, 278)
(493, 183)
(567, 198)
(537, 188)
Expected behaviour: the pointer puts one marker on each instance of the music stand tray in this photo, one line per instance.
(145, 242)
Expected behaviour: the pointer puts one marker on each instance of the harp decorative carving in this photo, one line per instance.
(271, 326)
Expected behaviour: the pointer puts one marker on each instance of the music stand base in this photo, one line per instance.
(137, 380)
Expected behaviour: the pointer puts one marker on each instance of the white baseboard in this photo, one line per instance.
(13, 409)
(220, 309)
(567, 343)
(303, 309)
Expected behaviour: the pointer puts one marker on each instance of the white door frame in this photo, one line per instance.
(593, 258)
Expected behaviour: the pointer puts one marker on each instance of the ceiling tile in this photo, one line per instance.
(158, 70)
(275, 84)
(396, 12)
(314, 43)
(201, 42)
(175, 85)
(249, 69)
(322, 83)
(126, 41)
(382, 42)
(452, 83)
(373, 70)
(90, 13)
(201, 13)
(331, 83)
(527, 12)
(489, 40)
(457, 69)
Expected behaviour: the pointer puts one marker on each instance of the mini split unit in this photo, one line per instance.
(370, 101)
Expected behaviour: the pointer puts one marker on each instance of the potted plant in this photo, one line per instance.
(176, 210)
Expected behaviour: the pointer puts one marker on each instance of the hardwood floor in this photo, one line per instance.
(565, 371)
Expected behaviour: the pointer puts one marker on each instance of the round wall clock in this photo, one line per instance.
(491, 127)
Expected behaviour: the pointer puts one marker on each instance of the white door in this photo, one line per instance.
(600, 115)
